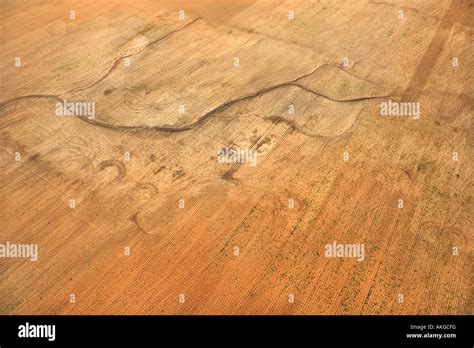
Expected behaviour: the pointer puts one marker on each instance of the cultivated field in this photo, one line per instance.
(132, 210)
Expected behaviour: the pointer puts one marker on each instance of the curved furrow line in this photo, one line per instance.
(204, 118)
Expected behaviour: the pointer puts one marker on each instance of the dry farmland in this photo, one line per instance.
(237, 157)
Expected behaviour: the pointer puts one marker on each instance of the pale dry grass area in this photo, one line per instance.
(139, 62)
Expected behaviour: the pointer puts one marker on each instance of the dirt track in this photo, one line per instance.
(167, 92)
